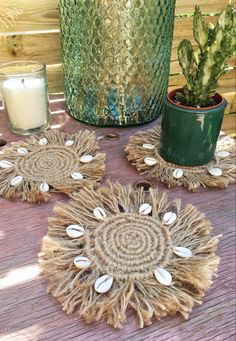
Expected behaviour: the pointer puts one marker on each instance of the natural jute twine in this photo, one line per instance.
(33, 168)
(129, 249)
(192, 177)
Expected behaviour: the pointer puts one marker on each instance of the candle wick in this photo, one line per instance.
(23, 82)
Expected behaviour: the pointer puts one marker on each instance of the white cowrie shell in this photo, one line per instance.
(5, 164)
(44, 187)
(178, 173)
(169, 218)
(75, 231)
(86, 158)
(215, 171)
(99, 213)
(222, 153)
(183, 252)
(150, 161)
(69, 143)
(148, 146)
(16, 181)
(22, 151)
(43, 141)
(76, 176)
(82, 262)
(163, 276)
(145, 209)
(103, 284)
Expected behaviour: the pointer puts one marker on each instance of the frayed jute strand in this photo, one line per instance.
(193, 177)
(127, 247)
(50, 165)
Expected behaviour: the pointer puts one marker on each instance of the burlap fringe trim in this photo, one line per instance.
(84, 143)
(73, 288)
(193, 176)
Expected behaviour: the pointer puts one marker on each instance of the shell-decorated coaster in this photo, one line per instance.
(52, 161)
(120, 247)
(142, 152)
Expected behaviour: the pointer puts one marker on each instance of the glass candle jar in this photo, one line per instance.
(23, 86)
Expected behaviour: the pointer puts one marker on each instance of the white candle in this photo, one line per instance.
(25, 100)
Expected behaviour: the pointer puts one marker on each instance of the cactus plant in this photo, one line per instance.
(203, 66)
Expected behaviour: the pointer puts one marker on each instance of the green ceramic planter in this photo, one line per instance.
(189, 135)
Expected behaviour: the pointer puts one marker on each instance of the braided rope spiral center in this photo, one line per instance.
(129, 245)
(47, 164)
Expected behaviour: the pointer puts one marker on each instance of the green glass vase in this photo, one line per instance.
(116, 58)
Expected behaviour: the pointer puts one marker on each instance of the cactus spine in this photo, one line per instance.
(203, 66)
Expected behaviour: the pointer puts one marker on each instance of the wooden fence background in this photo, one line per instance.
(35, 36)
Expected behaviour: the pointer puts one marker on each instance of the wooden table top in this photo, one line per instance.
(28, 313)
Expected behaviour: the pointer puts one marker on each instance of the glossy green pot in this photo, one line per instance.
(189, 135)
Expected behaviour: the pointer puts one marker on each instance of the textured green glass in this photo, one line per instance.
(116, 59)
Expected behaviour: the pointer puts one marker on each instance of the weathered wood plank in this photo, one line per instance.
(45, 48)
(35, 16)
(229, 125)
(55, 78)
(28, 313)
(207, 6)
(43, 14)
(227, 82)
(231, 99)
(37, 46)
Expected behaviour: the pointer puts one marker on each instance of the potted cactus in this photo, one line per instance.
(193, 115)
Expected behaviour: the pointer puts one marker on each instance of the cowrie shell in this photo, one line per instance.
(99, 213)
(169, 218)
(69, 143)
(75, 231)
(145, 209)
(183, 252)
(86, 158)
(5, 164)
(163, 276)
(178, 173)
(103, 284)
(16, 181)
(43, 141)
(222, 153)
(44, 187)
(148, 146)
(22, 151)
(215, 171)
(82, 262)
(150, 161)
(76, 176)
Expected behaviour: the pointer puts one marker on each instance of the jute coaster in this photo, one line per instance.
(53, 161)
(122, 247)
(142, 152)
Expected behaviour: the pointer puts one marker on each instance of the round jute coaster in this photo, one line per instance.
(121, 247)
(52, 161)
(142, 152)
